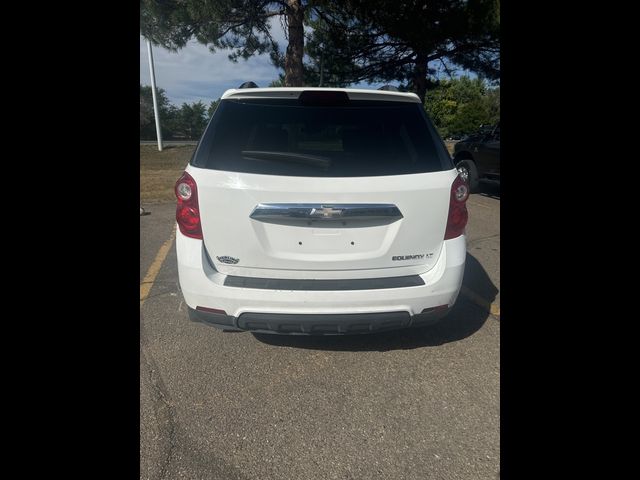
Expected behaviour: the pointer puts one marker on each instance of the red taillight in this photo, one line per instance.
(187, 211)
(458, 215)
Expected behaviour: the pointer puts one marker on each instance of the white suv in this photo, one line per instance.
(320, 211)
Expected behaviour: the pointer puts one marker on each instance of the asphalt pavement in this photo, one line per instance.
(410, 404)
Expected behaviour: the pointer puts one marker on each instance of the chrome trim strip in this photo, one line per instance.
(325, 211)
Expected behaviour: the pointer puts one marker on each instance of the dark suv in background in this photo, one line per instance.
(477, 157)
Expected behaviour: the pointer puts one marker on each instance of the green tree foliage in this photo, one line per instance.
(186, 122)
(240, 25)
(192, 120)
(349, 41)
(493, 99)
(147, 119)
(322, 69)
(146, 111)
(460, 106)
(404, 40)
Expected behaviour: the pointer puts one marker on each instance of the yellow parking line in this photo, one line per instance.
(492, 308)
(152, 273)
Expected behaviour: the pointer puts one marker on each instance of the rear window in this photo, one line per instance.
(283, 137)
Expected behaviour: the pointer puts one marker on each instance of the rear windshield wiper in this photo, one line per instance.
(311, 160)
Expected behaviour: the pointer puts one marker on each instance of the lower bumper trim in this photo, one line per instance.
(317, 324)
(323, 324)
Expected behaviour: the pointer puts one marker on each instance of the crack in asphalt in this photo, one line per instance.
(162, 406)
(169, 427)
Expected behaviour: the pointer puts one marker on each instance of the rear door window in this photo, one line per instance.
(282, 137)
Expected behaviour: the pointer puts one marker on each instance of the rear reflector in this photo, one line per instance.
(211, 310)
(439, 308)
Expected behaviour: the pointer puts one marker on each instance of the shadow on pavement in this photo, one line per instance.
(464, 320)
(477, 280)
(489, 190)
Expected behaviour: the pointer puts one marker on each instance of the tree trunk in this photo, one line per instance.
(420, 76)
(293, 73)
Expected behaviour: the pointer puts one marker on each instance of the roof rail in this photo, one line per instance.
(390, 88)
(248, 85)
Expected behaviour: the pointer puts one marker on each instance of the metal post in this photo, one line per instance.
(155, 98)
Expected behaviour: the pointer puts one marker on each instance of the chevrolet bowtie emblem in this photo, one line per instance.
(326, 212)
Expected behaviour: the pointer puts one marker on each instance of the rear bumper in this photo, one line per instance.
(289, 311)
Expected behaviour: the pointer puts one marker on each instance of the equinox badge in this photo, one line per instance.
(411, 257)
